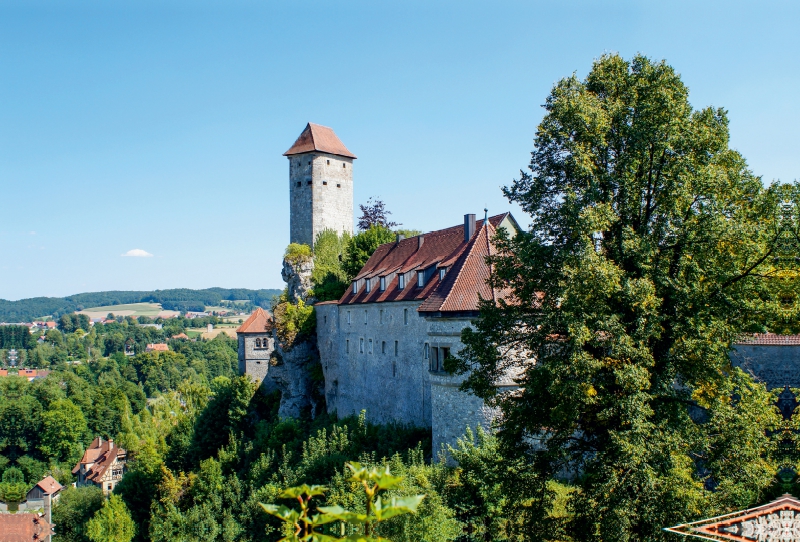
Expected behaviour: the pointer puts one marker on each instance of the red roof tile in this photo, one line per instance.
(157, 347)
(102, 454)
(24, 527)
(257, 323)
(769, 339)
(464, 283)
(321, 139)
(49, 485)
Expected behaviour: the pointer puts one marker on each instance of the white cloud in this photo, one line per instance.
(138, 253)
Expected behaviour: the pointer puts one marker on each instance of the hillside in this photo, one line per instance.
(177, 299)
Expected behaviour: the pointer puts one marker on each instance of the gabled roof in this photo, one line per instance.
(464, 262)
(101, 454)
(24, 527)
(49, 485)
(321, 139)
(257, 323)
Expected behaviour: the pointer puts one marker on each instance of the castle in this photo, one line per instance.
(382, 346)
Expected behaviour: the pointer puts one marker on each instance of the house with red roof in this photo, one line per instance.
(46, 486)
(384, 343)
(157, 347)
(103, 465)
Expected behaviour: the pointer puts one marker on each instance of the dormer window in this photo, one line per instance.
(401, 281)
(420, 279)
(368, 285)
(383, 284)
(355, 286)
(442, 273)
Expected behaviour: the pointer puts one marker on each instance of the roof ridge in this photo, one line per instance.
(462, 258)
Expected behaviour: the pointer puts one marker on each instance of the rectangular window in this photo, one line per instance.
(348, 317)
(434, 359)
(401, 281)
(368, 285)
(361, 345)
(405, 317)
(380, 316)
(383, 284)
(427, 351)
(347, 346)
(442, 273)
(420, 279)
(394, 368)
(365, 317)
(370, 346)
(355, 286)
(383, 347)
(325, 183)
(444, 353)
(396, 347)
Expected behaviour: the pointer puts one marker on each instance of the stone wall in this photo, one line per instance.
(320, 194)
(255, 362)
(777, 365)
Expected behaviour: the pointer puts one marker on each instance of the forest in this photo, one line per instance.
(178, 299)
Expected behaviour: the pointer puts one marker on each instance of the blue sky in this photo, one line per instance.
(160, 126)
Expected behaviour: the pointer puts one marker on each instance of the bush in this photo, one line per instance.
(293, 322)
(297, 253)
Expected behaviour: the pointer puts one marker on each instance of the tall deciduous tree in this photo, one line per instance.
(641, 267)
(361, 247)
(374, 213)
(112, 523)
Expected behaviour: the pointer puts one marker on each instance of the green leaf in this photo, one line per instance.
(282, 512)
(337, 512)
(396, 506)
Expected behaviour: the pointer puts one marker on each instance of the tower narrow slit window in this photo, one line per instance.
(365, 316)
(347, 346)
(396, 348)
(361, 345)
(383, 347)
(405, 317)
(370, 346)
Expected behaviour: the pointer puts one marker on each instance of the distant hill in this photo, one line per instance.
(178, 299)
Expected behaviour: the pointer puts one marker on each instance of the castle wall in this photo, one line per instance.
(253, 361)
(777, 365)
(390, 387)
(320, 194)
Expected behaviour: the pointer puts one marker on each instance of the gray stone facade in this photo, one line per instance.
(377, 357)
(320, 194)
(254, 358)
(775, 365)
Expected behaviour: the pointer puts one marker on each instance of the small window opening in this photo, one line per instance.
(434, 364)
(347, 346)
(325, 183)
(380, 316)
(361, 345)
(329, 162)
(365, 317)
(368, 285)
(427, 351)
(405, 317)
(383, 347)
(370, 346)
(396, 347)
(348, 317)
(309, 162)
(442, 273)
(308, 183)
(344, 165)
(394, 368)
(338, 185)
(299, 183)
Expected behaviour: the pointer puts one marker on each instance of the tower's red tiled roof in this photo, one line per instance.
(465, 280)
(257, 323)
(769, 339)
(321, 139)
(24, 527)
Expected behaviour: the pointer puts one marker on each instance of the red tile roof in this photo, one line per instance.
(49, 485)
(769, 339)
(321, 139)
(24, 527)
(157, 347)
(257, 323)
(100, 454)
(464, 283)
(180, 336)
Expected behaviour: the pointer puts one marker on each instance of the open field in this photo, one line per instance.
(132, 309)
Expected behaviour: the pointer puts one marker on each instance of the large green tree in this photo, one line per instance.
(643, 262)
(112, 523)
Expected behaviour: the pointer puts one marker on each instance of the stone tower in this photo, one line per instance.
(320, 185)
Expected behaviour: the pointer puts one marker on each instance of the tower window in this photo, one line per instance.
(299, 183)
(365, 317)
(329, 162)
(347, 346)
(370, 346)
(394, 368)
(380, 316)
(344, 165)
(338, 185)
(325, 182)
(383, 347)
(396, 347)
(348, 317)
(427, 350)
(309, 162)
(361, 345)
(308, 183)
(258, 343)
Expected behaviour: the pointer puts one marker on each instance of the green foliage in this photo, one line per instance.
(294, 322)
(328, 276)
(644, 262)
(18, 337)
(112, 523)
(378, 508)
(63, 431)
(73, 510)
(362, 246)
(13, 487)
(297, 253)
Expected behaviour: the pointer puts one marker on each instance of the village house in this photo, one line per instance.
(46, 486)
(102, 465)
(156, 347)
(256, 346)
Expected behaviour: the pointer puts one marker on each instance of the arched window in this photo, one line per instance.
(258, 343)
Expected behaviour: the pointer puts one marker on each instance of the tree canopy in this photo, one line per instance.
(649, 242)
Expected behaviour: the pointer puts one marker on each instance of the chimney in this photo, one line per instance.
(400, 237)
(469, 227)
(420, 240)
(110, 443)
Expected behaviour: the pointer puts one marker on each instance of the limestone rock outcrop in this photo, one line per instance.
(297, 276)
